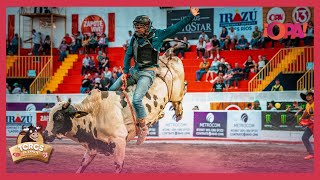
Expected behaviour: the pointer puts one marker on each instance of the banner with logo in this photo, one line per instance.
(288, 14)
(93, 23)
(202, 22)
(169, 128)
(27, 106)
(244, 124)
(280, 121)
(42, 119)
(16, 119)
(210, 124)
(242, 19)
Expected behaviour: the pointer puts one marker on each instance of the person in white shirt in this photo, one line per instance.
(17, 89)
(85, 65)
(46, 109)
(233, 38)
(126, 45)
(271, 106)
(107, 73)
(203, 35)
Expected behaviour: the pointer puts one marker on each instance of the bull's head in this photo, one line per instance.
(60, 120)
(32, 132)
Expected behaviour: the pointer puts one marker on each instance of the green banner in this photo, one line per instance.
(280, 121)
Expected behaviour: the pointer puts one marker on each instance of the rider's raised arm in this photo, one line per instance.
(127, 57)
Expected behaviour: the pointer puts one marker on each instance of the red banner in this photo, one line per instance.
(75, 23)
(10, 27)
(93, 23)
(111, 27)
(42, 120)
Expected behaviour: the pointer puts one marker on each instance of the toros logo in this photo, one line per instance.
(301, 15)
(276, 14)
(93, 23)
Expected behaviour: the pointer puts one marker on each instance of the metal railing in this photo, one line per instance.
(288, 60)
(23, 64)
(306, 82)
(43, 77)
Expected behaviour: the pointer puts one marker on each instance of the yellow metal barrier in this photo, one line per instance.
(22, 64)
(287, 60)
(43, 77)
(306, 82)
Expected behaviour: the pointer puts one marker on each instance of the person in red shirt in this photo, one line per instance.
(68, 40)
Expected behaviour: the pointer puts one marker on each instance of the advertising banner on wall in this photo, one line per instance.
(210, 124)
(288, 14)
(280, 121)
(169, 128)
(42, 119)
(244, 124)
(27, 106)
(15, 120)
(93, 23)
(242, 19)
(202, 22)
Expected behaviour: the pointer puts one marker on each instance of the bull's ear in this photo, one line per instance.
(79, 114)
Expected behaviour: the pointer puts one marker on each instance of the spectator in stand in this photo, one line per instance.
(62, 50)
(103, 43)
(78, 42)
(17, 89)
(271, 106)
(181, 47)
(24, 91)
(68, 40)
(295, 108)
(8, 89)
(228, 75)
(249, 106)
(219, 85)
(220, 74)
(236, 76)
(126, 45)
(203, 35)
(264, 58)
(310, 34)
(97, 78)
(249, 65)
(46, 108)
(85, 65)
(105, 83)
(92, 65)
(46, 46)
(261, 63)
(113, 78)
(213, 69)
(85, 43)
(107, 74)
(36, 40)
(99, 59)
(223, 37)
(208, 49)
(256, 35)
(223, 64)
(14, 44)
(256, 105)
(204, 67)
(275, 31)
(233, 38)
(120, 71)
(93, 42)
(85, 84)
(277, 86)
(165, 46)
(48, 91)
(200, 47)
(216, 46)
(242, 43)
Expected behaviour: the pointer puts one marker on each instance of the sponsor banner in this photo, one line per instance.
(280, 121)
(288, 14)
(242, 19)
(93, 23)
(275, 14)
(154, 130)
(301, 15)
(285, 105)
(244, 124)
(210, 124)
(42, 119)
(27, 106)
(169, 128)
(202, 22)
(16, 119)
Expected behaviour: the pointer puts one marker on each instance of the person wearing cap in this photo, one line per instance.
(271, 106)
(144, 48)
(294, 108)
(256, 105)
(46, 108)
(308, 116)
(17, 89)
(277, 86)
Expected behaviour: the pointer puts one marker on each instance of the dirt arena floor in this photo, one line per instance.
(175, 158)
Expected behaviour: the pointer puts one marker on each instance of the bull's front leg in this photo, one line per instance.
(119, 153)
(177, 106)
(86, 160)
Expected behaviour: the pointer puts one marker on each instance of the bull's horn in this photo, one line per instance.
(38, 127)
(25, 129)
(59, 99)
(67, 104)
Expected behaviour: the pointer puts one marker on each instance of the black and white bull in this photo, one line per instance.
(103, 121)
(31, 134)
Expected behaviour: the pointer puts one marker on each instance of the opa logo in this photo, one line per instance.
(210, 117)
(244, 117)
